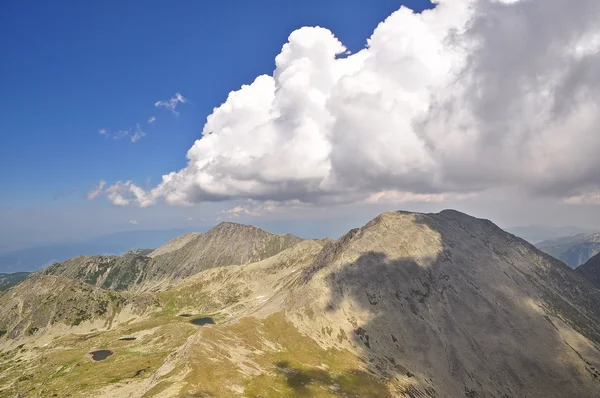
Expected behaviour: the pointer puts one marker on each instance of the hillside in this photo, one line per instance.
(174, 244)
(451, 305)
(572, 250)
(107, 272)
(410, 305)
(225, 244)
(9, 280)
(591, 270)
(182, 257)
(41, 302)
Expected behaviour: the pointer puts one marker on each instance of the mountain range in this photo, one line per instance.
(572, 250)
(409, 305)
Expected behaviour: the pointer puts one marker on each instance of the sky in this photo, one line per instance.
(148, 115)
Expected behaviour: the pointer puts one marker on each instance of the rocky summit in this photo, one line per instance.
(409, 305)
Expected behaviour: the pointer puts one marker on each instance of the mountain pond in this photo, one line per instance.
(203, 321)
(101, 355)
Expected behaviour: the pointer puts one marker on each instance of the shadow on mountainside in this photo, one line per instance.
(346, 384)
(467, 321)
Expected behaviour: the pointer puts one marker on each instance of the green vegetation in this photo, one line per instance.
(270, 358)
(7, 281)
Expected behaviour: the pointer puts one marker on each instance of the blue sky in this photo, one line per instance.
(72, 68)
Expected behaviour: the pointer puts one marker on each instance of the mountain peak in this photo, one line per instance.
(591, 270)
(232, 226)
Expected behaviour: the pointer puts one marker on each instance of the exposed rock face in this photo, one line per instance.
(591, 270)
(44, 301)
(572, 250)
(451, 305)
(107, 272)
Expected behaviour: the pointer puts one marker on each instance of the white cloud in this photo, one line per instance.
(94, 193)
(171, 103)
(134, 222)
(136, 134)
(133, 135)
(151, 119)
(240, 210)
(589, 198)
(396, 197)
(474, 95)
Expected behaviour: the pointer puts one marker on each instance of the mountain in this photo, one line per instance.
(184, 256)
(225, 244)
(572, 250)
(538, 233)
(108, 272)
(174, 244)
(591, 270)
(9, 280)
(36, 257)
(410, 305)
(452, 304)
(41, 302)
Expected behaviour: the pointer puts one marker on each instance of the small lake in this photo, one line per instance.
(203, 321)
(101, 355)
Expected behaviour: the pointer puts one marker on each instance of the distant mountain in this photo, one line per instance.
(591, 270)
(537, 233)
(572, 250)
(9, 280)
(225, 244)
(35, 258)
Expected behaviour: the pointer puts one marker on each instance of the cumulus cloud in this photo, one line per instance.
(103, 132)
(471, 96)
(97, 191)
(151, 119)
(171, 103)
(134, 222)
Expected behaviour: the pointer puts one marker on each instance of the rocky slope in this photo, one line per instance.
(410, 305)
(226, 244)
(107, 272)
(41, 302)
(182, 257)
(448, 305)
(174, 244)
(591, 270)
(572, 250)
